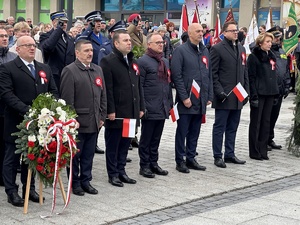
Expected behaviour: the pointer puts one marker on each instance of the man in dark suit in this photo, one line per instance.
(228, 69)
(93, 34)
(121, 75)
(57, 46)
(190, 62)
(20, 84)
(83, 87)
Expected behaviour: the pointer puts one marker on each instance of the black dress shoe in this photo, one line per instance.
(78, 191)
(182, 168)
(146, 172)
(265, 157)
(269, 148)
(15, 199)
(128, 160)
(90, 189)
(33, 196)
(159, 171)
(256, 158)
(234, 160)
(194, 165)
(197, 153)
(274, 146)
(135, 142)
(220, 163)
(115, 181)
(99, 150)
(125, 179)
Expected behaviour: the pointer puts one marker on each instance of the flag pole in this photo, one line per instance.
(270, 11)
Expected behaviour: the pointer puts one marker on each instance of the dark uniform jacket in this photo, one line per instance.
(262, 75)
(88, 34)
(282, 69)
(105, 50)
(123, 88)
(297, 56)
(188, 65)
(156, 92)
(84, 89)
(228, 69)
(18, 89)
(58, 52)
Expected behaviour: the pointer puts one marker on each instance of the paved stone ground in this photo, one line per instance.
(116, 205)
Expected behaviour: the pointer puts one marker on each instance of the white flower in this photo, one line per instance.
(65, 137)
(62, 101)
(63, 116)
(66, 128)
(45, 112)
(59, 110)
(41, 140)
(42, 131)
(32, 138)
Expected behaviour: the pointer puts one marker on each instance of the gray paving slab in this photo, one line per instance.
(114, 204)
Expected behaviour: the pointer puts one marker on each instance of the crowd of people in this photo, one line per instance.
(92, 67)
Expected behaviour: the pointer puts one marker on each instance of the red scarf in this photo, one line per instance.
(162, 68)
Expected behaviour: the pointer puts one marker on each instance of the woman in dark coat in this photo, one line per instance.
(263, 92)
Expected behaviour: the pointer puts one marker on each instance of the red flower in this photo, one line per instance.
(52, 146)
(64, 149)
(39, 168)
(40, 160)
(31, 156)
(30, 144)
(52, 164)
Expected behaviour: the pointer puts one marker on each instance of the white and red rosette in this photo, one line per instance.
(99, 82)
(243, 55)
(273, 64)
(43, 76)
(205, 61)
(136, 68)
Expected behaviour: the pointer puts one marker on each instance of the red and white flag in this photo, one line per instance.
(216, 38)
(240, 92)
(174, 113)
(195, 89)
(184, 21)
(129, 128)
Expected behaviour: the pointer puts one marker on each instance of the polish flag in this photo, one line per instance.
(195, 89)
(174, 113)
(129, 128)
(240, 92)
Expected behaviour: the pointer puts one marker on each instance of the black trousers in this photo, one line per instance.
(274, 116)
(226, 121)
(10, 165)
(151, 132)
(83, 160)
(2, 149)
(259, 127)
(116, 151)
(188, 130)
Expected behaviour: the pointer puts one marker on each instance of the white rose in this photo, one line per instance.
(42, 131)
(41, 140)
(62, 101)
(59, 110)
(45, 111)
(32, 138)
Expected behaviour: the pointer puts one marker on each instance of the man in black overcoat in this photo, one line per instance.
(228, 69)
(20, 84)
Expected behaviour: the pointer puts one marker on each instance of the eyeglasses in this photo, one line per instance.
(29, 21)
(232, 31)
(25, 31)
(158, 42)
(3, 36)
(28, 45)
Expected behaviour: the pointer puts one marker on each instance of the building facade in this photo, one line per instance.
(153, 10)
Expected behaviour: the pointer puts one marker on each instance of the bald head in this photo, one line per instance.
(195, 32)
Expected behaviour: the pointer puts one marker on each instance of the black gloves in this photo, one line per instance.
(136, 20)
(222, 96)
(254, 103)
(92, 24)
(245, 101)
(286, 92)
(60, 23)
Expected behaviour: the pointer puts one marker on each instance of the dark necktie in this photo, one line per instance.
(32, 70)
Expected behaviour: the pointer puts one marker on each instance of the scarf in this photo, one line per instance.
(162, 68)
